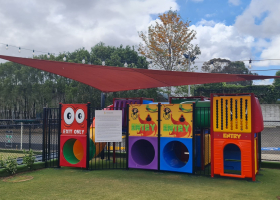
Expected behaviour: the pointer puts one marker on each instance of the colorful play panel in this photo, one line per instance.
(221, 135)
(143, 136)
(236, 121)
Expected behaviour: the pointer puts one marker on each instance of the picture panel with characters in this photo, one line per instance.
(177, 120)
(143, 136)
(143, 120)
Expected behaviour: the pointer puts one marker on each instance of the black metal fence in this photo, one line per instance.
(202, 141)
(109, 155)
(50, 136)
(19, 135)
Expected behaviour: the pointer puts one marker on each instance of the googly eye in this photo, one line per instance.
(69, 116)
(80, 116)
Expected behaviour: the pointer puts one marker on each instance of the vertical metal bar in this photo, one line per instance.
(159, 130)
(127, 135)
(193, 140)
(58, 135)
(44, 134)
(87, 134)
(212, 136)
(114, 153)
(253, 138)
(49, 138)
(21, 133)
(29, 136)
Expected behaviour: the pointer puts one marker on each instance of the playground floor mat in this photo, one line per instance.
(71, 183)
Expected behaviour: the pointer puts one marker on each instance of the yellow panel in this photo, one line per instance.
(232, 114)
(143, 120)
(176, 120)
(207, 149)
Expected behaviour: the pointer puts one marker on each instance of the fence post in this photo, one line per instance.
(88, 135)
(58, 135)
(29, 136)
(193, 140)
(159, 130)
(127, 134)
(44, 134)
(21, 132)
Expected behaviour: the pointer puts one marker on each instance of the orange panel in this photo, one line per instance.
(246, 159)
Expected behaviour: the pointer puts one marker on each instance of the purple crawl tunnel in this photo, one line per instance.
(143, 152)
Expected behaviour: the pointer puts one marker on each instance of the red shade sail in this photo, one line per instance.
(113, 79)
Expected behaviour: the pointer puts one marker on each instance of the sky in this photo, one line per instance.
(231, 29)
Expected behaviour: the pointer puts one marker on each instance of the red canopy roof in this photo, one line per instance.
(113, 79)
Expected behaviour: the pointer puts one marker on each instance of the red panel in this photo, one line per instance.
(74, 119)
(233, 136)
(73, 126)
(113, 79)
(257, 117)
(63, 161)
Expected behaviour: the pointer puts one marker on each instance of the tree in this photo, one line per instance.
(277, 80)
(167, 42)
(219, 65)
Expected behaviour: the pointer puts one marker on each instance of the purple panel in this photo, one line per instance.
(143, 152)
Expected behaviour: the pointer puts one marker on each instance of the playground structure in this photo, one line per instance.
(237, 121)
(186, 136)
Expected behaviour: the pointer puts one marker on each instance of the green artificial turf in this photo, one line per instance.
(69, 183)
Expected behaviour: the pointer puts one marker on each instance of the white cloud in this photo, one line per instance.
(266, 12)
(210, 15)
(263, 82)
(58, 26)
(204, 22)
(261, 21)
(270, 52)
(217, 40)
(235, 2)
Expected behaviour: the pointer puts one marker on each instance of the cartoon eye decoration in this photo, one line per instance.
(69, 116)
(80, 116)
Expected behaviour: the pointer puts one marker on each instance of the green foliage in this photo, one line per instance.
(2, 162)
(277, 81)
(218, 65)
(28, 158)
(267, 94)
(11, 165)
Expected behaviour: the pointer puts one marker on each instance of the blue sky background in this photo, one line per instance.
(231, 29)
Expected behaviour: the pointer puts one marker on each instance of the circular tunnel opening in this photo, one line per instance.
(73, 151)
(176, 154)
(142, 152)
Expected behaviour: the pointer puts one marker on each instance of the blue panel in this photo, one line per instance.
(174, 156)
(147, 101)
(198, 151)
(232, 157)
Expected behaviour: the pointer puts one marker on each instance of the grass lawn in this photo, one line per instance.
(68, 183)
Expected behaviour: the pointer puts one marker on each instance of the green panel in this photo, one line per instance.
(91, 149)
(178, 101)
(68, 151)
(202, 114)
